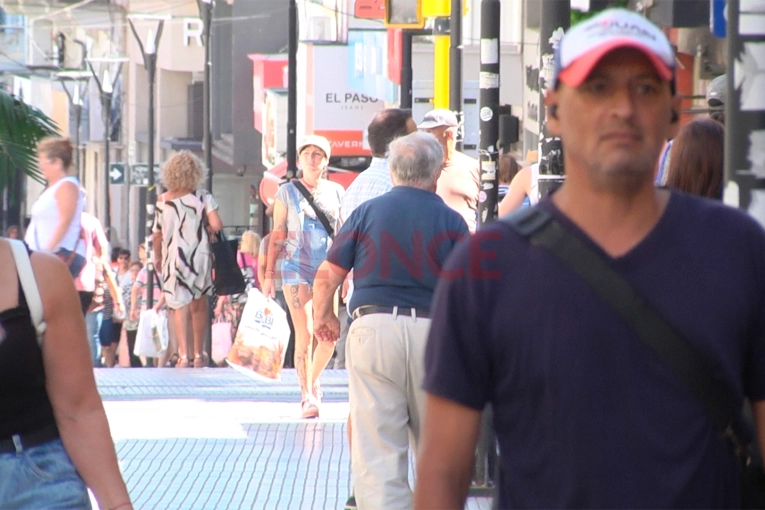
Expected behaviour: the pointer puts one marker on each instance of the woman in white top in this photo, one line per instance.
(524, 184)
(55, 225)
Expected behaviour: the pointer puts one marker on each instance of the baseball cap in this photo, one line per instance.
(319, 141)
(438, 117)
(717, 92)
(586, 43)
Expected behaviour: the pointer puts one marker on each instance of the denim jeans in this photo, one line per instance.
(41, 477)
(93, 321)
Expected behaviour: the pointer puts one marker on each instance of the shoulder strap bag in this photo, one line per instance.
(29, 286)
(544, 231)
(319, 213)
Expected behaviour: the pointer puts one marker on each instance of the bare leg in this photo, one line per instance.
(323, 351)
(108, 351)
(181, 322)
(297, 296)
(199, 323)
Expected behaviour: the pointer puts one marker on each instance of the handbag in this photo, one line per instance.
(227, 277)
(734, 425)
(319, 213)
(221, 340)
(73, 260)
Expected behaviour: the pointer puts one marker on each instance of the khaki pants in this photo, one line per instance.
(384, 357)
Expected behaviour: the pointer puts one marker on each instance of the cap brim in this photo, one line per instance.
(576, 73)
(430, 124)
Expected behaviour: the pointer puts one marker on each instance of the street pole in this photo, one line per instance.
(78, 122)
(106, 90)
(406, 69)
(206, 10)
(455, 64)
(744, 112)
(150, 63)
(555, 18)
(106, 107)
(489, 111)
(292, 91)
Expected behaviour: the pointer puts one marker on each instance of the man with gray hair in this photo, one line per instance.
(396, 245)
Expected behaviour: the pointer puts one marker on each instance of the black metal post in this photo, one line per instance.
(489, 110)
(455, 63)
(206, 9)
(150, 60)
(106, 107)
(406, 69)
(150, 63)
(292, 91)
(555, 17)
(744, 113)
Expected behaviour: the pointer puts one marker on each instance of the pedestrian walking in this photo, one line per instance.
(185, 217)
(593, 406)
(407, 234)
(306, 216)
(54, 436)
(386, 126)
(459, 184)
(55, 222)
(697, 161)
(129, 324)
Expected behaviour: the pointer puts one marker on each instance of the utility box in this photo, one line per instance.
(422, 103)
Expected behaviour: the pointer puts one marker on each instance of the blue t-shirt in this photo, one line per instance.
(585, 414)
(396, 245)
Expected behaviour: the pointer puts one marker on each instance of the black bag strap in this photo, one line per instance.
(319, 213)
(544, 231)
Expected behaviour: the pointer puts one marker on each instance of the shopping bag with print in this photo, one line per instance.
(221, 341)
(261, 340)
(148, 337)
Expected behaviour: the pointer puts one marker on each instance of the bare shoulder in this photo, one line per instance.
(53, 280)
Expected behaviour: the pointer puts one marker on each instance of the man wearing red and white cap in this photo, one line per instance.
(586, 414)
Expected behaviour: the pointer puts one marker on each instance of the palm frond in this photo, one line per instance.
(21, 127)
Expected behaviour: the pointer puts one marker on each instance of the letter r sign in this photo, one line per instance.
(192, 28)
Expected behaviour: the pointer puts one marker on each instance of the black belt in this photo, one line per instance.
(400, 310)
(30, 440)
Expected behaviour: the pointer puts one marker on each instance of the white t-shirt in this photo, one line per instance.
(45, 219)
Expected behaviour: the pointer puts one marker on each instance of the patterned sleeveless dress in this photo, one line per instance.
(187, 260)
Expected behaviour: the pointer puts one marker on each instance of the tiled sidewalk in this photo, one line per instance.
(217, 439)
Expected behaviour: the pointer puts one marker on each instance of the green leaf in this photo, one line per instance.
(21, 127)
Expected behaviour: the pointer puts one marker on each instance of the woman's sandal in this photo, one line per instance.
(183, 362)
(173, 361)
(201, 360)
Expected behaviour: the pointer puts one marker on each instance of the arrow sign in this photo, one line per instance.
(117, 173)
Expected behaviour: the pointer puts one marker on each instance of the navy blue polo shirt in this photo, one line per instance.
(586, 415)
(397, 244)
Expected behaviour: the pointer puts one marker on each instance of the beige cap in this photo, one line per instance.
(319, 141)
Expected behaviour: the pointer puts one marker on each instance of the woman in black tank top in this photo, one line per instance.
(54, 436)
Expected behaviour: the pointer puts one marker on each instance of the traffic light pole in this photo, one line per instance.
(455, 63)
(292, 90)
(555, 18)
(489, 111)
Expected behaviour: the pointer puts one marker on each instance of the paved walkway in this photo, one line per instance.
(217, 439)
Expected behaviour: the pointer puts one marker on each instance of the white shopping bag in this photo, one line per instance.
(152, 337)
(221, 341)
(261, 340)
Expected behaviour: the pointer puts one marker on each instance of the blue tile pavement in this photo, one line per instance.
(217, 439)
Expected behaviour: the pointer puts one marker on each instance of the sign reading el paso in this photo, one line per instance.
(329, 107)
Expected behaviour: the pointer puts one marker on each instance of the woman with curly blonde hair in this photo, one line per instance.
(185, 216)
